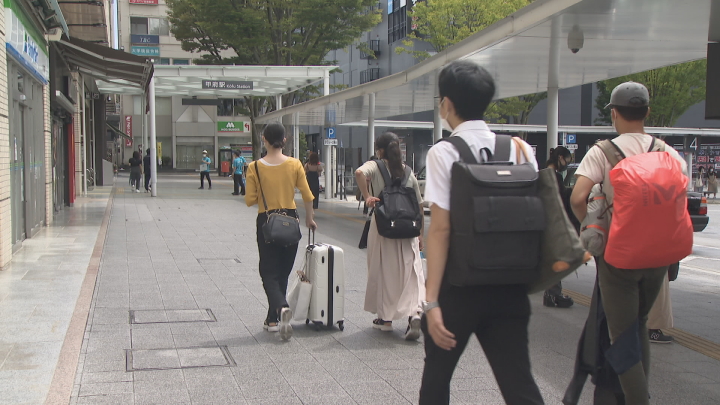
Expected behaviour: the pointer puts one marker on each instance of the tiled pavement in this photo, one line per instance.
(172, 258)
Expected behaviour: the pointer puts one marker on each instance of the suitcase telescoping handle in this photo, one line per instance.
(311, 237)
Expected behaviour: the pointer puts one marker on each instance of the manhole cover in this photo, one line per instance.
(187, 357)
(171, 316)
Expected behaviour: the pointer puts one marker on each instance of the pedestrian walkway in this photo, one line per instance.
(177, 311)
(38, 294)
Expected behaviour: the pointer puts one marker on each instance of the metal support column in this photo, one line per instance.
(84, 136)
(296, 136)
(153, 137)
(371, 125)
(553, 86)
(327, 150)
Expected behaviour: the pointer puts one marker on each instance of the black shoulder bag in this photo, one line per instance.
(280, 228)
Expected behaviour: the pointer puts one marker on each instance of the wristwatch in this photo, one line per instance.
(427, 306)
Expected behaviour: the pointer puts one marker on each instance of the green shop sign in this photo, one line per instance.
(233, 126)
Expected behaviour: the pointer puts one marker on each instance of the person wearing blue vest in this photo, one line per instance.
(238, 164)
(205, 171)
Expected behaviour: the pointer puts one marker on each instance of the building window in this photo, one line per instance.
(369, 75)
(149, 26)
(181, 61)
(397, 20)
(231, 107)
(162, 61)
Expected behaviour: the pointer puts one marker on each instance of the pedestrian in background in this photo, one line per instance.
(135, 171)
(560, 158)
(238, 165)
(313, 170)
(146, 168)
(396, 283)
(205, 171)
(712, 183)
(699, 184)
(272, 181)
(498, 315)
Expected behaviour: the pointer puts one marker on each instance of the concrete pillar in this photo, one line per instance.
(371, 125)
(84, 135)
(437, 122)
(553, 86)
(153, 137)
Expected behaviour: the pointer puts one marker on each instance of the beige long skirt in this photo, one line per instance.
(396, 284)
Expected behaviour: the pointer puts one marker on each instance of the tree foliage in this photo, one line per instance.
(268, 32)
(673, 89)
(443, 23)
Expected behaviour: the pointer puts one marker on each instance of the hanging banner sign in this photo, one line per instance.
(128, 130)
(25, 45)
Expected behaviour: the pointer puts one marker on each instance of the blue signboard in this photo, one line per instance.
(145, 50)
(145, 39)
(571, 138)
(331, 133)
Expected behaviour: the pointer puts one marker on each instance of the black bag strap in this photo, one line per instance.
(463, 149)
(385, 172)
(502, 148)
(257, 170)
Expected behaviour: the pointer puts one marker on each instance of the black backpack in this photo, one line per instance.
(397, 214)
(496, 218)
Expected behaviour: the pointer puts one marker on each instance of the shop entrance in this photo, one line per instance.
(189, 156)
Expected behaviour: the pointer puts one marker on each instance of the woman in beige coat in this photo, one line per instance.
(396, 284)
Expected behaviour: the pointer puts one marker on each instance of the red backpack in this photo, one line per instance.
(650, 226)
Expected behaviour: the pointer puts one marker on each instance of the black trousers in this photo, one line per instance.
(498, 316)
(239, 184)
(147, 181)
(204, 175)
(276, 263)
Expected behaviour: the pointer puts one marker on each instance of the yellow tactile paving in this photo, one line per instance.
(692, 342)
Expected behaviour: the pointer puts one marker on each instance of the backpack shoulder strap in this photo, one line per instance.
(657, 145)
(612, 152)
(384, 171)
(406, 176)
(502, 148)
(462, 147)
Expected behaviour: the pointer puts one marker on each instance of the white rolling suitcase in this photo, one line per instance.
(326, 272)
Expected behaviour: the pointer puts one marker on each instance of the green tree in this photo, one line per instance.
(443, 23)
(269, 32)
(673, 89)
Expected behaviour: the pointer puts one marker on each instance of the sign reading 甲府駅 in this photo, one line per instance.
(226, 85)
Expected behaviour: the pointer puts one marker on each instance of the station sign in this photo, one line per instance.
(26, 44)
(227, 85)
(330, 142)
(571, 138)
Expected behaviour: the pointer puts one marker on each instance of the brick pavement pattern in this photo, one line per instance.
(170, 259)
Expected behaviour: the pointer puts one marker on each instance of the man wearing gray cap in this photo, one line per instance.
(627, 295)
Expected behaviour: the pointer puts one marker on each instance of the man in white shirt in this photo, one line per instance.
(498, 315)
(627, 295)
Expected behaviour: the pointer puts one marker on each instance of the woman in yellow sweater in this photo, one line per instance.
(280, 176)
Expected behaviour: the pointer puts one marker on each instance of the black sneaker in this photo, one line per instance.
(201, 188)
(657, 336)
(563, 301)
(548, 300)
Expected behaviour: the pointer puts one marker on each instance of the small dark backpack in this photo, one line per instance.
(496, 216)
(397, 214)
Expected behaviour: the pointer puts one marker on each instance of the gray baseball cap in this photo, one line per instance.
(629, 94)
